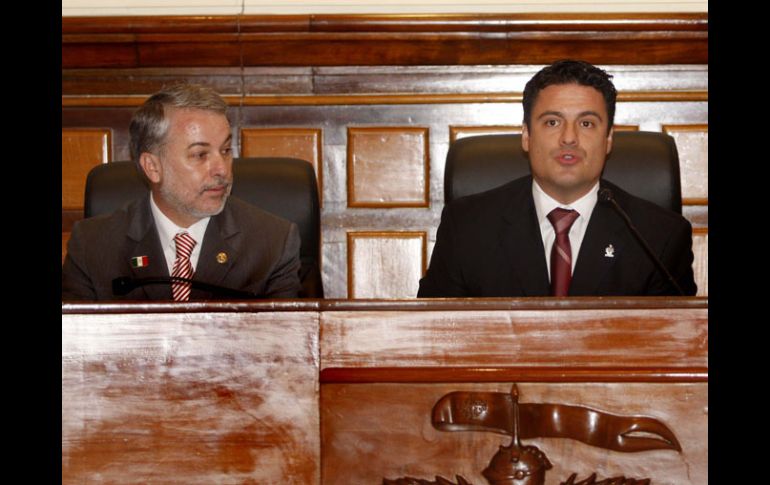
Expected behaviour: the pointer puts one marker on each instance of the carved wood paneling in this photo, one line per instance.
(388, 167)
(337, 218)
(692, 143)
(302, 143)
(700, 249)
(339, 71)
(385, 264)
(375, 431)
(193, 398)
(228, 392)
(82, 149)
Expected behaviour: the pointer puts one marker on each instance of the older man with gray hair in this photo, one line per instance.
(188, 229)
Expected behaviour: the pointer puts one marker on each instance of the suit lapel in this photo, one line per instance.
(145, 242)
(522, 245)
(602, 248)
(219, 250)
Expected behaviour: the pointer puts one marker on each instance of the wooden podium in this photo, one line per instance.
(342, 391)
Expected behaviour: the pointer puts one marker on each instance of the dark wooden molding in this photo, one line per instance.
(367, 40)
(69, 101)
(159, 24)
(408, 305)
(368, 375)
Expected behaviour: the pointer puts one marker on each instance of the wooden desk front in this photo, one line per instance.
(341, 392)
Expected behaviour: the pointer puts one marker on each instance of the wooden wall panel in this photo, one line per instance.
(376, 431)
(302, 143)
(82, 149)
(190, 398)
(455, 110)
(339, 72)
(692, 143)
(388, 167)
(65, 237)
(385, 264)
(700, 249)
(458, 132)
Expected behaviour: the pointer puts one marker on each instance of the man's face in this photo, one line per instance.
(192, 173)
(567, 140)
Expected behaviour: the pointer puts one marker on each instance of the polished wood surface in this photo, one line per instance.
(700, 249)
(65, 237)
(302, 143)
(388, 167)
(82, 149)
(190, 397)
(389, 263)
(568, 338)
(692, 143)
(341, 391)
(329, 40)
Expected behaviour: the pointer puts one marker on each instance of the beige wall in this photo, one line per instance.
(257, 7)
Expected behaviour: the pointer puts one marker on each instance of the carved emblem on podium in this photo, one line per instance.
(518, 464)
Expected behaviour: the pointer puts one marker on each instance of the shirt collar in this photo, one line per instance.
(167, 229)
(544, 203)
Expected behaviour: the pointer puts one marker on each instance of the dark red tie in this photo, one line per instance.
(182, 266)
(561, 253)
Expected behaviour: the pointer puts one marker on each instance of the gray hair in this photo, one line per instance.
(149, 124)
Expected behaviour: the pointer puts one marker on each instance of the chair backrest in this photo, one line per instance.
(285, 187)
(645, 164)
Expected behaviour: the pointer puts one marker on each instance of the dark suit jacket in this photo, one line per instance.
(489, 245)
(262, 254)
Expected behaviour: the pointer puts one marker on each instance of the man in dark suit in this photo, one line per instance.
(545, 234)
(188, 227)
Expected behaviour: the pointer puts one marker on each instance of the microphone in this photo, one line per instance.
(123, 285)
(606, 196)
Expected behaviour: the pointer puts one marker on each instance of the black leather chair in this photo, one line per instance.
(645, 164)
(283, 186)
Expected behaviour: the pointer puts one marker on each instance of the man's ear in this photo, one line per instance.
(150, 163)
(524, 138)
(609, 140)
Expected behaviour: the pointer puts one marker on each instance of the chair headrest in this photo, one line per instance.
(645, 164)
(285, 187)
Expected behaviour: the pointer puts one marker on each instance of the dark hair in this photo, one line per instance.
(149, 124)
(569, 71)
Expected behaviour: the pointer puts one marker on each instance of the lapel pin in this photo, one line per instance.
(609, 251)
(222, 258)
(140, 262)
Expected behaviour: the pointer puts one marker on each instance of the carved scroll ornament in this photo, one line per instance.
(518, 464)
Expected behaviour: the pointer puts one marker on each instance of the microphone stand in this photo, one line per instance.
(606, 195)
(125, 284)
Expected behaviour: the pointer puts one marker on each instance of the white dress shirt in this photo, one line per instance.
(544, 204)
(167, 230)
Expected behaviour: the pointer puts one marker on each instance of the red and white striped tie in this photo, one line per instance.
(182, 266)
